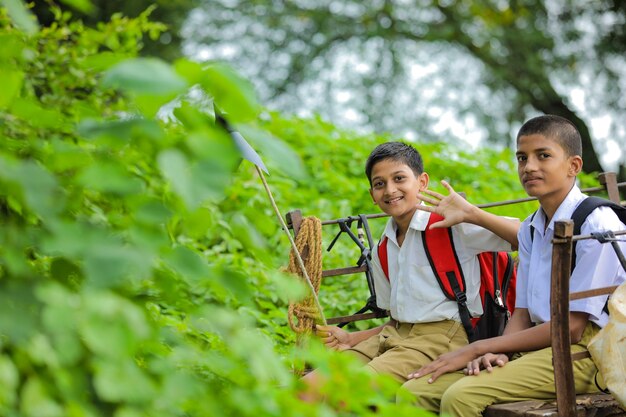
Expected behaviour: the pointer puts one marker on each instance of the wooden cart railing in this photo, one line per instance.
(560, 297)
(567, 403)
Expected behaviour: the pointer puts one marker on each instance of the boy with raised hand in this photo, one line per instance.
(548, 155)
(424, 323)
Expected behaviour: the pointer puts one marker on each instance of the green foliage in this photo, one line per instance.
(128, 287)
(140, 261)
(172, 13)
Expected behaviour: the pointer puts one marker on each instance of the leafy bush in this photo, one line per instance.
(140, 260)
(127, 286)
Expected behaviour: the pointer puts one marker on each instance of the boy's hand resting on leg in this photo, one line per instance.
(334, 337)
(448, 362)
(486, 361)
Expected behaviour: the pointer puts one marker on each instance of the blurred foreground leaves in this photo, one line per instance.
(140, 260)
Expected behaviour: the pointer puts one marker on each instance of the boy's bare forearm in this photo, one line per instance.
(361, 335)
(533, 338)
(455, 209)
(505, 227)
(529, 339)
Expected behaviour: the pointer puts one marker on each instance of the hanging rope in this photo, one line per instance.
(309, 245)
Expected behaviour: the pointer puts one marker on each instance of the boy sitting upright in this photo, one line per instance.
(424, 323)
(548, 155)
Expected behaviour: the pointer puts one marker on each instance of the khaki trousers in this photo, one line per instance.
(402, 349)
(530, 376)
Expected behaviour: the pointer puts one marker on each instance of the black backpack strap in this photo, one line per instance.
(579, 216)
(532, 228)
(584, 209)
(497, 291)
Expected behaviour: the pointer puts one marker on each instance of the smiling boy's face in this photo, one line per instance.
(395, 188)
(544, 168)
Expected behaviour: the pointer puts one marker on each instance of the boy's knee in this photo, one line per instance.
(464, 399)
(420, 393)
(451, 398)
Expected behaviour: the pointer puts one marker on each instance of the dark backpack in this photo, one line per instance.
(581, 213)
(497, 280)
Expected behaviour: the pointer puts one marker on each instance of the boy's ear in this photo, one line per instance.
(372, 195)
(576, 165)
(423, 181)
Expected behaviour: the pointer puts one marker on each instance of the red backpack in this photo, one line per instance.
(497, 280)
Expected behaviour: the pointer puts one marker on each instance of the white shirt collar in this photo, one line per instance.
(563, 212)
(419, 221)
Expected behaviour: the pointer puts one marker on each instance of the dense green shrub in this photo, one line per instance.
(140, 259)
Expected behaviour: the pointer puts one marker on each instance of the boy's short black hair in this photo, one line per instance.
(555, 128)
(396, 151)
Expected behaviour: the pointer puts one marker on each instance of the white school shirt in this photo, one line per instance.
(596, 264)
(412, 294)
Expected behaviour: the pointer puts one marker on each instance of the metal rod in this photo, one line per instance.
(484, 205)
(293, 245)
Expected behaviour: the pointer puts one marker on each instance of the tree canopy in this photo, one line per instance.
(415, 67)
(172, 13)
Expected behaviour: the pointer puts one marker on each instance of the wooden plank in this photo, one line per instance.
(581, 355)
(592, 293)
(344, 271)
(353, 317)
(294, 220)
(587, 405)
(559, 318)
(609, 180)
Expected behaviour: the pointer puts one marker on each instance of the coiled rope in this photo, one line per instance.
(304, 314)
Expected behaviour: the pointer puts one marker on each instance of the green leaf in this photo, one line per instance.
(12, 48)
(71, 239)
(234, 95)
(37, 401)
(41, 352)
(10, 85)
(84, 6)
(32, 112)
(232, 281)
(36, 186)
(189, 70)
(66, 272)
(121, 131)
(122, 381)
(109, 264)
(21, 16)
(145, 76)
(9, 380)
(187, 263)
(103, 60)
(60, 318)
(247, 234)
(112, 326)
(19, 310)
(193, 118)
(274, 150)
(199, 181)
(152, 211)
(175, 167)
(110, 177)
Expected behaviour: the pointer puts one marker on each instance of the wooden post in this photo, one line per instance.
(559, 318)
(294, 220)
(609, 181)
